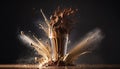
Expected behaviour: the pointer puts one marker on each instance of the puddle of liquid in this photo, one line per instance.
(81, 66)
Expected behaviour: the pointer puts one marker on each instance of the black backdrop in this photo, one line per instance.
(18, 15)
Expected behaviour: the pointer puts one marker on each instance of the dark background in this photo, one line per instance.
(19, 15)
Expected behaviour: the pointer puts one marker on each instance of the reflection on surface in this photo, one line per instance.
(81, 66)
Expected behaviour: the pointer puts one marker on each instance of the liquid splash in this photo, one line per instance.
(58, 29)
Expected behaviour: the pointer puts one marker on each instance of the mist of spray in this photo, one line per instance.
(85, 45)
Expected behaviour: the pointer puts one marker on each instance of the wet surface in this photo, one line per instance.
(81, 66)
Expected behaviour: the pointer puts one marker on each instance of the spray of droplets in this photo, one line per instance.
(58, 29)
